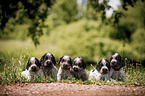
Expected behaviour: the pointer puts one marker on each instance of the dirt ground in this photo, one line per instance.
(63, 89)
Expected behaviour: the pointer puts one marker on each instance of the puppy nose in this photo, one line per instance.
(113, 62)
(76, 69)
(48, 63)
(33, 68)
(64, 65)
(104, 70)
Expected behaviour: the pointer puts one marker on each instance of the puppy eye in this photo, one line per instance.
(107, 64)
(46, 58)
(116, 58)
(63, 60)
(80, 64)
(102, 65)
(111, 58)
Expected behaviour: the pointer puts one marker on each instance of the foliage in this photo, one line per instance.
(18, 10)
(131, 20)
(86, 38)
(64, 11)
(98, 8)
(138, 41)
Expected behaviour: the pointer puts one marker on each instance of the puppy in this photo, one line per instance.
(48, 65)
(102, 70)
(64, 70)
(117, 63)
(78, 69)
(32, 68)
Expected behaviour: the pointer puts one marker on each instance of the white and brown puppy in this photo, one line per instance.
(48, 65)
(78, 69)
(101, 72)
(117, 63)
(32, 68)
(64, 70)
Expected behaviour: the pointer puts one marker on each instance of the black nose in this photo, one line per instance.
(76, 69)
(47, 64)
(34, 68)
(104, 71)
(65, 65)
(113, 62)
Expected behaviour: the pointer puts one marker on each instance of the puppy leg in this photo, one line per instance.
(59, 74)
(85, 76)
(54, 74)
(122, 76)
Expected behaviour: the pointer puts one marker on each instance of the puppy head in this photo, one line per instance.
(47, 60)
(78, 64)
(103, 66)
(65, 62)
(33, 64)
(116, 61)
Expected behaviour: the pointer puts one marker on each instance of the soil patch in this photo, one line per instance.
(64, 89)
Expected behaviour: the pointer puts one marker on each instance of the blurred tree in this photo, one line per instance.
(64, 11)
(97, 8)
(130, 20)
(32, 9)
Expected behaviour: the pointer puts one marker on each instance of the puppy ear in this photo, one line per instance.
(84, 64)
(121, 61)
(60, 60)
(28, 64)
(42, 59)
(38, 62)
(98, 67)
(71, 62)
(111, 58)
(53, 59)
(109, 64)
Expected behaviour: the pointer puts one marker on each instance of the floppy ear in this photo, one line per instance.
(70, 62)
(38, 63)
(53, 59)
(110, 58)
(60, 60)
(108, 65)
(121, 61)
(98, 67)
(28, 64)
(84, 64)
(42, 59)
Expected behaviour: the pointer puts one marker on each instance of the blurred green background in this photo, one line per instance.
(77, 29)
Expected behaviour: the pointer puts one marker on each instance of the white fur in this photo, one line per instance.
(28, 74)
(63, 74)
(95, 75)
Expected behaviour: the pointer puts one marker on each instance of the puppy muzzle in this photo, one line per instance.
(48, 64)
(34, 69)
(66, 66)
(76, 69)
(105, 71)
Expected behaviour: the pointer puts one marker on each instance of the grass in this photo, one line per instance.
(13, 66)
